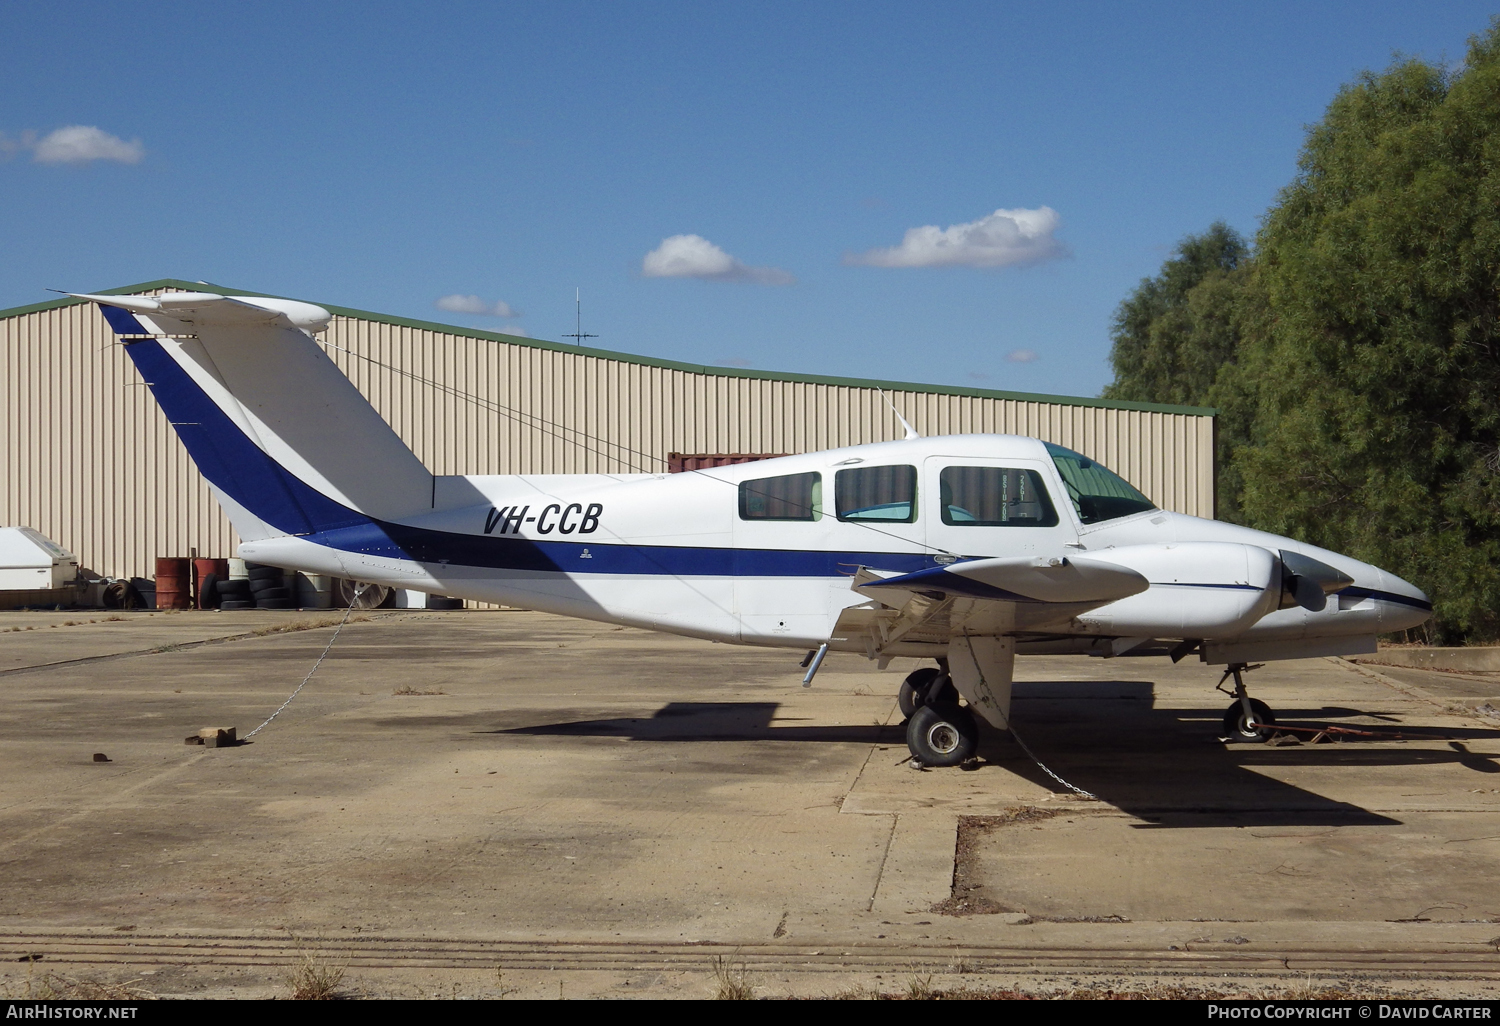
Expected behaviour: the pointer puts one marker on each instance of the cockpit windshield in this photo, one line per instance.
(1098, 494)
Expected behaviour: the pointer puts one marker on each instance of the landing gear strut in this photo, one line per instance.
(939, 731)
(1247, 719)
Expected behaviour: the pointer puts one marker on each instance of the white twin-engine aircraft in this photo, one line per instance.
(965, 549)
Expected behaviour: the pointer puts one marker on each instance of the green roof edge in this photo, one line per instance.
(605, 354)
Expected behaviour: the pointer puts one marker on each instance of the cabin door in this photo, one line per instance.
(981, 507)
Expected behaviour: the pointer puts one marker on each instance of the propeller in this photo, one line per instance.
(1308, 582)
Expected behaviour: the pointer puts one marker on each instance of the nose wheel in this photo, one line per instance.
(1247, 720)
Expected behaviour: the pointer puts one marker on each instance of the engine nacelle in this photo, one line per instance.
(1198, 590)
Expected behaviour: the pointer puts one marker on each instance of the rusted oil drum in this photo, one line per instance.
(173, 583)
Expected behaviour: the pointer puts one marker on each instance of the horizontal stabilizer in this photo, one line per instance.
(207, 308)
(1069, 579)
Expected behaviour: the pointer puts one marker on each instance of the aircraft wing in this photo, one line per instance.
(1066, 579)
(1002, 595)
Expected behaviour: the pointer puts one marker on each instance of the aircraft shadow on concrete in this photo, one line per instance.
(1164, 766)
(1167, 767)
(716, 721)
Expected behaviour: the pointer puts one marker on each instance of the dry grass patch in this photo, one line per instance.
(313, 978)
(409, 691)
(921, 988)
(51, 986)
(292, 626)
(731, 981)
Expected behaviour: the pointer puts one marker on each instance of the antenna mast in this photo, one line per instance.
(578, 333)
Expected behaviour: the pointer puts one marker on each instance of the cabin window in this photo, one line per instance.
(1097, 493)
(995, 497)
(791, 497)
(886, 494)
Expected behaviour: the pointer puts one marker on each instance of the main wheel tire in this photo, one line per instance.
(942, 734)
(234, 589)
(1239, 729)
(208, 592)
(913, 693)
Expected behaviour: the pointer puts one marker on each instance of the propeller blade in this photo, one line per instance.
(1309, 581)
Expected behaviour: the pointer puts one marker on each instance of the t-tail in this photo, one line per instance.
(288, 443)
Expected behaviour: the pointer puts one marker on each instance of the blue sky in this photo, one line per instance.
(385, 156)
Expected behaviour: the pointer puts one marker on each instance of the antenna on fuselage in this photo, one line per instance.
(578, 333)
(911, 432)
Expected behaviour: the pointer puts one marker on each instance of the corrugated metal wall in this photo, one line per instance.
(91, 462)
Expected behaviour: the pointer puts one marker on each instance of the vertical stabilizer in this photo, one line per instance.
(270, 420)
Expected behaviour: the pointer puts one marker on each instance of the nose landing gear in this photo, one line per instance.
(1247, 719)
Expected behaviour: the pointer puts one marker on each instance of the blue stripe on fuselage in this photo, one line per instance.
(249, 476)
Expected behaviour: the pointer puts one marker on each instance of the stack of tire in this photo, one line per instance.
(265, 589)
(234, 594)
(268, 585)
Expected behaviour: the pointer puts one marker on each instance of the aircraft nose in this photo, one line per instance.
(1402, 604)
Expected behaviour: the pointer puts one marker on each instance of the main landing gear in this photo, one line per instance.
(939, 731)
(1247, 719)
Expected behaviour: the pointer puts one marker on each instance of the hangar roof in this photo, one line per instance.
(729, 372)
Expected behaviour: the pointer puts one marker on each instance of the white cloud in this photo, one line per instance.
(1006, 238)
(474, 305)
(693, 256)
(80, 144)
(1021, 355)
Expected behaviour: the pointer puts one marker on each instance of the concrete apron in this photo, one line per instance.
(549, 793)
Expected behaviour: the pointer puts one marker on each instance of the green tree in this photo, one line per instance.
(1355, 358)
(1178, 335)
(1376, 388)
(1174, 331)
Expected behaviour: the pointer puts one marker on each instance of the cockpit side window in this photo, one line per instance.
(790, 497)
(886, 494)
(995, 497)
(1098, 494)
